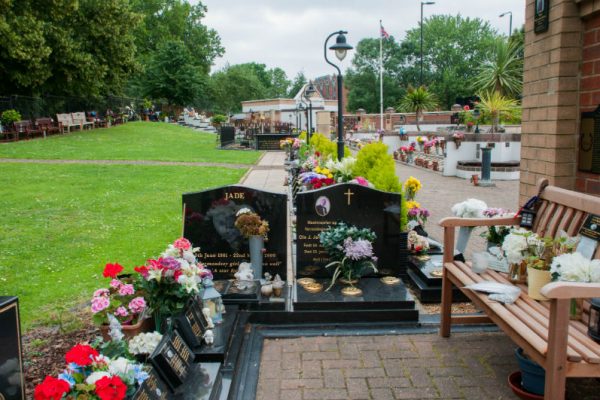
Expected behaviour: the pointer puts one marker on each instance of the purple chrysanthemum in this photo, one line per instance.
(358, 250)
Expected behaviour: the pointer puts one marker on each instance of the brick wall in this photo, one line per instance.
(589, 89)
(551, 97)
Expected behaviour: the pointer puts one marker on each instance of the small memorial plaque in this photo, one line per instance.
(172, 365)
(209, 223)
(192, 325)
(590, 236)
(12, 385)
(541, 19)
(153, 388)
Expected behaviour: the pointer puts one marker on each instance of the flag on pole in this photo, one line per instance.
(384, 34)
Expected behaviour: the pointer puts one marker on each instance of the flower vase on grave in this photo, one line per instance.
(256, 243)
(536, 279)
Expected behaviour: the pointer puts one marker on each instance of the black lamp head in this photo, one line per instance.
(340, 47)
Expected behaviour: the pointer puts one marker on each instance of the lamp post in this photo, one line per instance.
(301, 111)
(509, 23)
(423, 3)
(341, 48)
(309, 90)
(476, 114)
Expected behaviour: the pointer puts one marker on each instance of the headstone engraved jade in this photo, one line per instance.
(209, 218)
(356, 205)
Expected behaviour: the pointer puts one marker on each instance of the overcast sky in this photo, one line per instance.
(290, 34)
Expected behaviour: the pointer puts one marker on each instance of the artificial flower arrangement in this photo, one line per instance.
(417, 244)
(574, 267)
(286, 144)
(144, 343)
(91, 375)
(411, 187)
(458, 137)
(250, 223)
(172, 279)
(121, 299)
(470, 208)
(495, 234)
(342, 170)
(351, 248)
(421, 139)
(416, 213)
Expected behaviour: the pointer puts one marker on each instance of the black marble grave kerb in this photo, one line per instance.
(244, 382)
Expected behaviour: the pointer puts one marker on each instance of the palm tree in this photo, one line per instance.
(504, 71)
(417, 100)
(496, 106)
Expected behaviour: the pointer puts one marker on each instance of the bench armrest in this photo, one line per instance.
(455, 221)
(571, 290)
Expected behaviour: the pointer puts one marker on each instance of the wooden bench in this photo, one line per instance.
(27, 128)
(66, 121)
(542, 328)
(48, 126)
(81, 119)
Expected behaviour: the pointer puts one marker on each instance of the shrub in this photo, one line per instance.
(218, 119)
(375, 164)
(10, 116)
(326, 147)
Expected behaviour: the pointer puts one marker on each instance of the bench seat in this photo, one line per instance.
(542, 328)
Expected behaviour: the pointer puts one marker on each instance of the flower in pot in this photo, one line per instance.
(495, 234)
(351, 248)
(458, 137)
(122, 301)
(253, 227)
(518, 245)
(171, 280)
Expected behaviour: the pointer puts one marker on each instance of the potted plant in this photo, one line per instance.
(8, 118)
(252, 226)
(351, 249)
(495, 234)
(458, 137)
(171, 280)
(218, 119)
(122, 301)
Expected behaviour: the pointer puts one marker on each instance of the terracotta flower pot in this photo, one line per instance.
(536, 280)
(145, 325)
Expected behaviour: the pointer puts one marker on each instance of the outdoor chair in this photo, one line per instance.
(47, 126)
(80, 118)
(94, 117)
(27, 128)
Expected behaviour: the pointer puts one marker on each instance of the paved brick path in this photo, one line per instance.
(465, 366)
(440, 193)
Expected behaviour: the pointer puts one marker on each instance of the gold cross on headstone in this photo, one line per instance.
(349, 193)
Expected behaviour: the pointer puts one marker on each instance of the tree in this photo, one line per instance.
(66, 47)
(234, 84)
(417, 100)
(172, 75)
(503, 71)
(278, 83)
(297, 84)
(362, 80)
(497, 106)
(453, 48)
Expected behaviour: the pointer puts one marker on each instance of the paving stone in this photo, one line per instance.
(388, 382)
(416, 393)
(382, 394)
(301, 383)
(334, 378)
(371, 359)
(290, 361)
(320, 355)
(357, 388)
(290, 394)
(311, 369)
(350, 363)
(418, 376)
(324, 394)
(364, 372)
(447, 387)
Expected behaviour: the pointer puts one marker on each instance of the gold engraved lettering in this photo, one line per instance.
(235, 195)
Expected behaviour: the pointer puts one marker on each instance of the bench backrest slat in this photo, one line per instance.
(65, 119)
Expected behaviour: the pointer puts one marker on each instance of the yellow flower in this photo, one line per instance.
(330, 176)
(412, 204)
(413, 184)
(317, 169)
(326, 171)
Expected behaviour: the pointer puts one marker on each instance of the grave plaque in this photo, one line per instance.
(227, 135)
(192, 325)
(172, 358)
(153, 388)
(590, 236)
(209, 218)
(11, 363)
(356, 205)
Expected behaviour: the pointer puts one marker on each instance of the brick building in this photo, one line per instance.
(327, 86)
(561, 90)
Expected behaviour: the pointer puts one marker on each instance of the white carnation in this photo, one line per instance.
(515, 246)
(575, 268)
(471, 208)
(120, 366)
(95, 376)
(144, 343)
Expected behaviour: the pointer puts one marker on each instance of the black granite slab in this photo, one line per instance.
(428, 287)
(209, 218)
(204, 383)
(357, 205)
(12, 384)
(153, 388)
(222, 334)
(231, 294)
(172, 360)
(376, 296)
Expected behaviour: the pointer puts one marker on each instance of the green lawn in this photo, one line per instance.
(62, 223)
(131, 141)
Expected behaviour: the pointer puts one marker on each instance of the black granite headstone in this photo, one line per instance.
(153, 388)
(227, 135)
(172, 359)
(209, 218)
(11, 362)
(356, 205)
